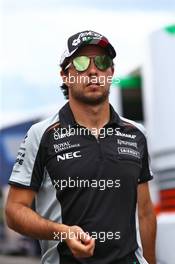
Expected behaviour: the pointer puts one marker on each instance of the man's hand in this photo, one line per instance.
(80, 243)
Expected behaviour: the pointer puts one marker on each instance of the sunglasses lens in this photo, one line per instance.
(81, 63)
(103, 62)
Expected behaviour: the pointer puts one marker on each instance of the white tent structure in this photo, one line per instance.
(159, 104)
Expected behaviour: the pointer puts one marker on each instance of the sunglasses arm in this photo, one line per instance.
(68, 66)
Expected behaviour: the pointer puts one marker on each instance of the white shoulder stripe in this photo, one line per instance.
(137, 125)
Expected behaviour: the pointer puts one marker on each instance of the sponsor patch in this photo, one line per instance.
(26, 136)
(127, 143)
(20, 156)
(57, 135)
(129, 151)
(64, 146)
(118, 133)
(69, 155)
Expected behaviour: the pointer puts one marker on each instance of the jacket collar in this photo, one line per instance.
(67, 119)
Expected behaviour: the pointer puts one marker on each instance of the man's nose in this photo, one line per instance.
(92, 70)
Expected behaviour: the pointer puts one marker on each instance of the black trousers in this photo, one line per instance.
(130, 259)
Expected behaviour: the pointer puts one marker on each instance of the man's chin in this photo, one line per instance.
(90, 98)
(93, 100)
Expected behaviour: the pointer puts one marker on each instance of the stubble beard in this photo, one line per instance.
(89, 100)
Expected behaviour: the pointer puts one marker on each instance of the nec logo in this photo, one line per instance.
(69, 155)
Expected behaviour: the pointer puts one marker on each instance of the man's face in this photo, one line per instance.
(92, 85)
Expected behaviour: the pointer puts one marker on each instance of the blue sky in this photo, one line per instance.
(34, 34)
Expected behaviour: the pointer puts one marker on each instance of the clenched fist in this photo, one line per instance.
(79, 242)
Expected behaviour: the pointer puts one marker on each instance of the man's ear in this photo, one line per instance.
(64, 77)
(112, 70)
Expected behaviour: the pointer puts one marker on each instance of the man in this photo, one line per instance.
(87, 169)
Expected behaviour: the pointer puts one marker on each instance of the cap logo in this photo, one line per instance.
(84, 36)
(75, 42)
